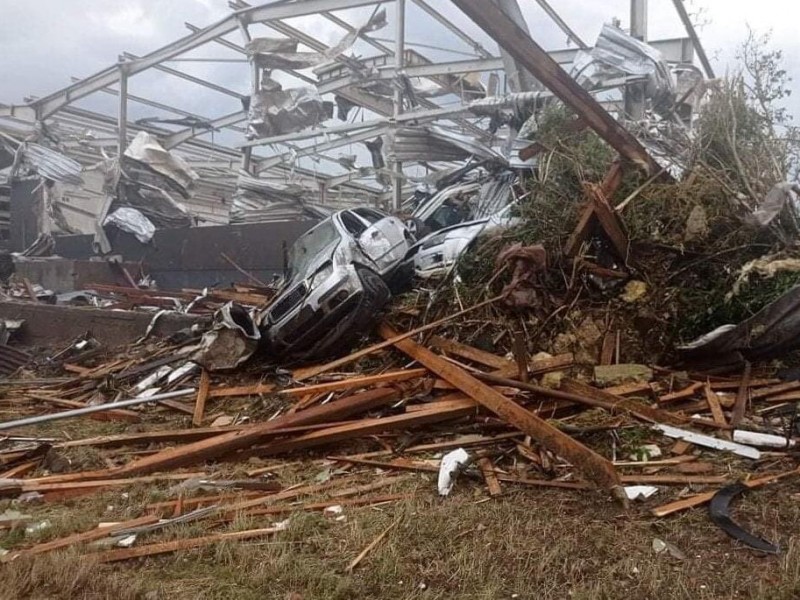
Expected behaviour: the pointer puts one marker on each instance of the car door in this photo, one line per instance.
(386, 237)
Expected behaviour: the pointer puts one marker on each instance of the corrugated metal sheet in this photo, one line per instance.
(51, 164)
(258, 201)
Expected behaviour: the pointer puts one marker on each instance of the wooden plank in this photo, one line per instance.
(184, 544)
(241, 390)
(700, 499)
(113, 414)
(176, 405)
(81, 538)
(307, 372)
(609, 220)
(487, 470)
(202, 396)
(609, 345)
(617, 404)
(43, 484)
(741, 398)
(581, 232)
(674, 479)
(680, 447)
(781, 388)
(481, 357)
(21, 469)
(330, 386)
(555, 363)
(521, 356)
(686, 392)
(723, 386)
(354, 563)
(359, 429)
(246, 437)
(356, 382)
(596, 468)
(715, 406)
(629, 389)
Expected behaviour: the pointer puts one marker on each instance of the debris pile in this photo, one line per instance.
(602, 321)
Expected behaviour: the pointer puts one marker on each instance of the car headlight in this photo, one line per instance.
(321, 275)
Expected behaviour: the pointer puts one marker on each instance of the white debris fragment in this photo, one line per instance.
(127, 541)
(766, 440)
(448, 469)
(639, 492)
(709, 442)
(646, 452)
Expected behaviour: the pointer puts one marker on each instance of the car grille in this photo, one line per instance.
(288, 302)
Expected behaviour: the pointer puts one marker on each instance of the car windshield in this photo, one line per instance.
(309, 245)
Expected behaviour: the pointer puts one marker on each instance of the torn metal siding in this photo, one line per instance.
(276, 112)
(437, 144)
(258, 201)
(48, 164)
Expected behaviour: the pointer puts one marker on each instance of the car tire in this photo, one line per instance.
(376, 292)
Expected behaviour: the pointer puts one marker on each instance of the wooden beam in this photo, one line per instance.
(596, 468)
(741, 398)
(184, 544)
(80, 538)
(361, 428)
(202, 396)
(488, 472)
(617, 404)
(248, 436)
(715, 406)
(489, 16)
(307, 372)
(700, 499)
(481, 357)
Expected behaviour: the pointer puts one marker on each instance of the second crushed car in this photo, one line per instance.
(338, 279)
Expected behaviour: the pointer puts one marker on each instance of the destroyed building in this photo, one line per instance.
(505, 255)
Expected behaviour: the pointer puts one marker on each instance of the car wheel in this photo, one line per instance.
(376, 292)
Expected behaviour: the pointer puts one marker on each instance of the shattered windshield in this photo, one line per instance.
(310, 245)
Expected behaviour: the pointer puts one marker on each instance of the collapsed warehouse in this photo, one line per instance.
(555, 242)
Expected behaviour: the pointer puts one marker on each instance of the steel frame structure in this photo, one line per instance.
(394, 58)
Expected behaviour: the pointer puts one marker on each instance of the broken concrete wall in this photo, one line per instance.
(180, 258)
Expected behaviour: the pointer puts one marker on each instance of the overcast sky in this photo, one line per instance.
(45, 42)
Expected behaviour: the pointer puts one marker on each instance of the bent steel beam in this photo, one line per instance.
(488, 16)
(51, 103)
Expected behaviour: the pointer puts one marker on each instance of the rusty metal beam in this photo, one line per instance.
(489, 17)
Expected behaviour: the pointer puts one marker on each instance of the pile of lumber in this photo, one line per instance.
(404, 402)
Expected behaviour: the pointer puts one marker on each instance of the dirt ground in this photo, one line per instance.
(529, 543)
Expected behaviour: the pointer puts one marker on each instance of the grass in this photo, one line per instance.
(529, 543)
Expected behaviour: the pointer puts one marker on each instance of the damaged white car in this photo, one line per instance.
(452, 219)
(339, 278)
(437, 253)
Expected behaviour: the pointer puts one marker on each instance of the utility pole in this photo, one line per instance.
(634, 94)
(399, 51)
